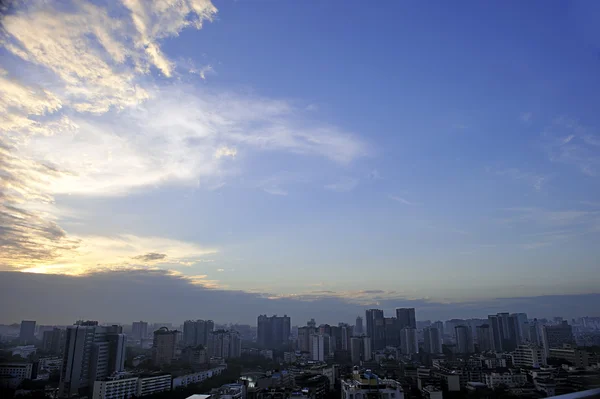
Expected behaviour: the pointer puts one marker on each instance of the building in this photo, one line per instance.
(376, 328)
(577, 357)
(163, 346)
(116, 388)
(358, 327)
(273, 331)
(520, 323)
(485, 338)
(360, 349)
(197, 332)
(391, 331)
(432, 392)
(27, 332)
(13, 373)
(504, 331)
(432, 340)
(368, 385)
(464, 339)
(154, 383)
(91, 353)
(53, 340)
(529, 355)
(23, 350)
(406, 318)
(139, 330)
(321, 348)
(196, 378)
(195, 356)
(440, 326)
(557, 336)
(509, 379)
(408, 341)
(225, 344)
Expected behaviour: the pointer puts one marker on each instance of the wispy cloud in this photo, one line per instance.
(344, 185)
(569, 142)
(400, 200)
(536, 181)
(526, 117)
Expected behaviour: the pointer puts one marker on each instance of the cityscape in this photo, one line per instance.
(299, 199)
(376, 356)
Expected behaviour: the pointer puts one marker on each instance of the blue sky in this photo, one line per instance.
(445, 152)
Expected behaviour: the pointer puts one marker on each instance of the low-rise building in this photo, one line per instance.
(153, 384)
(13, 373)
(195, 378)
(117, 388)
(509, 379)
(432, 392)
(577, 357)
(364, 385)
(529, 356)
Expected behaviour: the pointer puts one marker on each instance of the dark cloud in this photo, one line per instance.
(156, 295)
(150, 256)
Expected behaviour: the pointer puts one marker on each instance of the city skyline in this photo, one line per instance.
(195, 154)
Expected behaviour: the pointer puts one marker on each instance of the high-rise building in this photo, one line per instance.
(163, 346)
(358, 328)
(406, 318)
(320, 347)
(53, 341)
(273, 331)
(392, 332)
(91, 353)
(408, 341)
(440, 326)
(485, 339)
(304, 334)
(360, 349)
(464, 339)
(197, 332)
(504, 331)
(556, 336)
(225, 344)
(432, 340)
(139, 330)
(347, 333)
(529, 356)
(376, 328)
(521, 323)
(27, 332)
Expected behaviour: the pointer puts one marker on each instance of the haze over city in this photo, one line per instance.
(305, 158)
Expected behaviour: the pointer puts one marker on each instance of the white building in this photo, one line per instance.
(433, 340)
(511, 380)
(529, 356)
(364, 385)
(195, 378)
(320, 347)
(122, 388)
(152, 384)
(23, 350)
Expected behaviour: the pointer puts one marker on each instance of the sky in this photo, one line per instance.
(311, 155)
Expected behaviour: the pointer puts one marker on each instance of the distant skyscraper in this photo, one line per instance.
(440, 326)
(163, 346)
(139, 330)
(197, 332)
(406, 318)
(408, 340)
(376, 328)
(485, 339)
(53, 341)
(521, 325)
(464, 339)
(27, 332)
(321, 347)
(504, 330)
(360, 349)
(273, 331)
(392, 332)
(433, 340)
(91, 353)
(225, 344)
(304, 334)
(347, 333)
(358, 328)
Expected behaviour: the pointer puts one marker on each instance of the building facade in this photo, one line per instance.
(163, 346)
(27, 332)
(273, 331)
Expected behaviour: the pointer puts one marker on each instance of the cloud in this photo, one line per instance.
(275, 191)
(526, 117)
(569, 142)
(203, 71)
(344, 185)
(400, 199)
(150, 257)
(534, 180)
(161, 295)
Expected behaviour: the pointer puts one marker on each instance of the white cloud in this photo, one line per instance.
(526, 117)
(400, 200)
(569, 142)
(343, 185)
